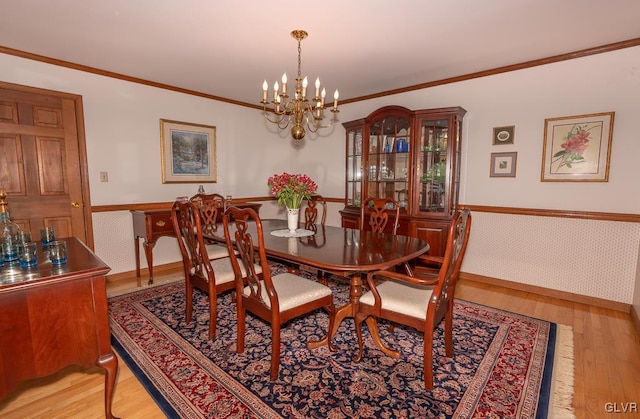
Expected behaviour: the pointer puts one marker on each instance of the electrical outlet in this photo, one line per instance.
(104, 176)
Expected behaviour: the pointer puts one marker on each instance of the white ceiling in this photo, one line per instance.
(361, 47)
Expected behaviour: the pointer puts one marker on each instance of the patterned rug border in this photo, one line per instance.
(557, 371)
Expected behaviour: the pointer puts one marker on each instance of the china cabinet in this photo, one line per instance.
(411, 156)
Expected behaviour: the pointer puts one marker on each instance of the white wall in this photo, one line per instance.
(122, 126)
(525, 98)
(122, 122)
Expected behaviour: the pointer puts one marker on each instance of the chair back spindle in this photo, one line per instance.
(378, 210)
(209, 205)
(315, 204)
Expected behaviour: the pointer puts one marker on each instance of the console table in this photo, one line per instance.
(150, 225)
(52, 317)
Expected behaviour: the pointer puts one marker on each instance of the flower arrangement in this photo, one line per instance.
(290, 189)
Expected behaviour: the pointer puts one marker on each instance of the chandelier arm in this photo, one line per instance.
(315, 127)
(277, 120)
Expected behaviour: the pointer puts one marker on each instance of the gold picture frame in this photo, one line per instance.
(503, 164)
(188, 152)
(577, 148)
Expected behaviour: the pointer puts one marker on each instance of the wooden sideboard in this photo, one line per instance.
(53, 317)
(150, 225)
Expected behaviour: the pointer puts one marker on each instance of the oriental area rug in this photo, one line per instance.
(505, 365)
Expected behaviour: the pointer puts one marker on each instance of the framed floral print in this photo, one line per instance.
(188, 152)
(577, 148)
(503, 164)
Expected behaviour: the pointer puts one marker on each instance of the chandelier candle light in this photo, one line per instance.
(297, 111)
(291, 190)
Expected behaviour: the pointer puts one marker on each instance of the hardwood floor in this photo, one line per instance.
(606, 353)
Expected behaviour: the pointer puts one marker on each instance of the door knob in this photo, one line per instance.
(75, 204)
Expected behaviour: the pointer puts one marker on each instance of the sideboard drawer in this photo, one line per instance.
(160, 222)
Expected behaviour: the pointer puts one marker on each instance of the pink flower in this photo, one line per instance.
(578, 143)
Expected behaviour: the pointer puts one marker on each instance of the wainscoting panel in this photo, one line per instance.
(114, 244)
(588, 257)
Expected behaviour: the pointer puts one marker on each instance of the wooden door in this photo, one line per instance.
(43, 161)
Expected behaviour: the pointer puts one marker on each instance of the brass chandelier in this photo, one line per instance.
(297, 111)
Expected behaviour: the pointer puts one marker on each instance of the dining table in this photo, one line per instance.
(346, 252)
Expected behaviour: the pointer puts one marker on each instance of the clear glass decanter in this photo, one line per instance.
(8, 229)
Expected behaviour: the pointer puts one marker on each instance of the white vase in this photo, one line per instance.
(292, 219)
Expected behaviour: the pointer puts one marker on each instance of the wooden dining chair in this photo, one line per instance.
(418, 301)
(211, 207)
(315, 217)
(315, 210)
(275, 299)
(212, 276)
(378, 210)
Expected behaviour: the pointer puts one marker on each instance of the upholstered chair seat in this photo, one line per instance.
(292, 291)
(402, 298)
(217, 251)
(224, 270)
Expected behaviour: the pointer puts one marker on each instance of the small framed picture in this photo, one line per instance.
(503, 164)
(504, 135)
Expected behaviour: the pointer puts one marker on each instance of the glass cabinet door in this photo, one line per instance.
(389, 159)
(354, 166)
(432, 165)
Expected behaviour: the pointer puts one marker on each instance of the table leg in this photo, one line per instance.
(110, 365)
(148, 252)
(137, 248)
(375, 335)
(348, 310)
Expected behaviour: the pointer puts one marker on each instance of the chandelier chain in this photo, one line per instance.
(299, 59)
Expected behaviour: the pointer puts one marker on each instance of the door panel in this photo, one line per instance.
(51, 165)
(12, 177)
(434, 233)
(42, 156)
(8, 112)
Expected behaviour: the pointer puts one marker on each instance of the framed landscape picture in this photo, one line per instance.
(503, 164)
(188, 152)
(577, 148)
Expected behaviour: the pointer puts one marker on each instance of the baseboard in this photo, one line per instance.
(144, 272)
(563, 295)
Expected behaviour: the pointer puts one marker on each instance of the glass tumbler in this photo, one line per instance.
(58, 252)
(47, 235)
(29, 255)
(24, 237)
